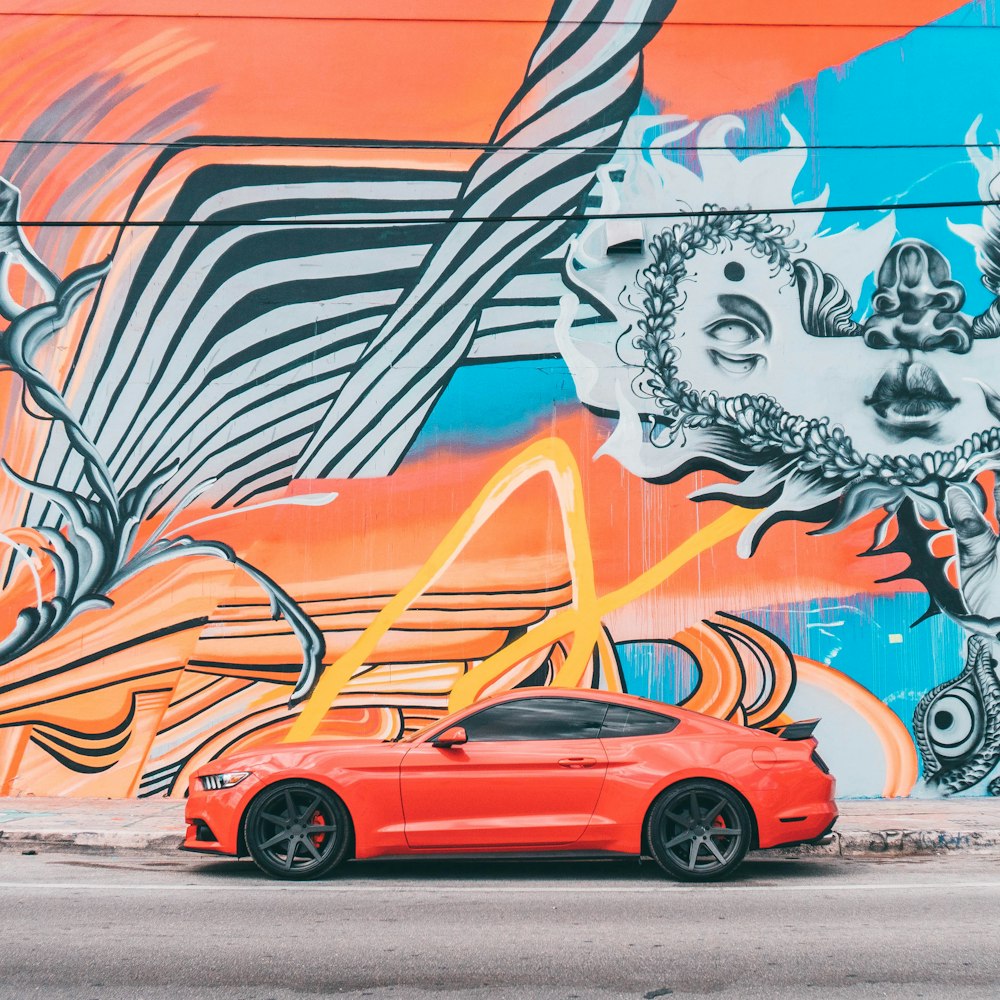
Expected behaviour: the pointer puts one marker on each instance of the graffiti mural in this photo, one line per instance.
(760, 370)
(422, 359)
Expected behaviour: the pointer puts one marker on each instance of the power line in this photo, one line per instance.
(408, 220)
(407, 144)
(668, 23)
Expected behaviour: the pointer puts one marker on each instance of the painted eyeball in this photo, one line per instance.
(955, 724)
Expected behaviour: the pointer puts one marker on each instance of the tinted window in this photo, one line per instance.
(622, 721)
(537, 719)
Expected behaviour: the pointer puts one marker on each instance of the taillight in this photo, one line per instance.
(819, 762)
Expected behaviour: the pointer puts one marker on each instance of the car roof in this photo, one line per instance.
(608, 697)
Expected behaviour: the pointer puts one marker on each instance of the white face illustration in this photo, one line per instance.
(735, 339)
(909, 383)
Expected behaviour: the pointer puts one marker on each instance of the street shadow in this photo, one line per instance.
(527, 871)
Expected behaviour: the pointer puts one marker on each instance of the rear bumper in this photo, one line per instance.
(826, 837)
(806, 825)
(804, 810)
(820, 840)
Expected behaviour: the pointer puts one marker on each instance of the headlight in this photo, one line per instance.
(213, 782)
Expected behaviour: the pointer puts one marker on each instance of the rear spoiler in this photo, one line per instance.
(794, 730)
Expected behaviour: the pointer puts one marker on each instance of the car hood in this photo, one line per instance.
(289, 754)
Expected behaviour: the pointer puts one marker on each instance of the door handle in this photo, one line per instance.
(577, 762)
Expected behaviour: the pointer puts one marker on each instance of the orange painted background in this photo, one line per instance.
(126, 129)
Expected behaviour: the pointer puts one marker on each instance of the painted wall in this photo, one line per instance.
(359, 365)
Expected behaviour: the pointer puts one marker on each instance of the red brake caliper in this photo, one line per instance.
(317, 820)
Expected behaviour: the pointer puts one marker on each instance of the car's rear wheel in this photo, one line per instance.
(297, 830)
(699, 831)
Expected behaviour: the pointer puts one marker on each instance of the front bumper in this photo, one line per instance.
(184, 845)
(213, 818)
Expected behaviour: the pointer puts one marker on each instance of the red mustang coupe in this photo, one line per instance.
(536, 771)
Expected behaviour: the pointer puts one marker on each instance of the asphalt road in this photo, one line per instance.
(178, 928)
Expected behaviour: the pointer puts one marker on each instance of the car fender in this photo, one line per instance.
(728, 762)
(703, 774)
(376, 815)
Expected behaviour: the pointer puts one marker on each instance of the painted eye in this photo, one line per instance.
(734, 332)
(735, 364)
(955, 724)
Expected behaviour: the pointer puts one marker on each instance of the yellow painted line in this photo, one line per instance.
(550, 457)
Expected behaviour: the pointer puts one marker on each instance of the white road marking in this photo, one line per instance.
(488, 888)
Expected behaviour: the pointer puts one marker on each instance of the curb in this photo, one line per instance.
(849, 844)
(104, 840)
(895, 843)
(912, 842)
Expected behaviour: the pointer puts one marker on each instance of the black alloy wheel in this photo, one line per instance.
(699, 831)
(297, 830)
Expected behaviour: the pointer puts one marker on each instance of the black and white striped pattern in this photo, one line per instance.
(300, 321)
(582, 84)
(226, 344)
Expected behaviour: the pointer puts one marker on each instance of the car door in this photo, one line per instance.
(529, 776)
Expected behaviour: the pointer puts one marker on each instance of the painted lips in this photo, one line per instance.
(911, 396)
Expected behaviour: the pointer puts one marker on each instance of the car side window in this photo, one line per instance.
(621, 721)
(537, 719)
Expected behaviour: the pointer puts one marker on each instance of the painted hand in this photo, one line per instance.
(978, 552)
(957, 724)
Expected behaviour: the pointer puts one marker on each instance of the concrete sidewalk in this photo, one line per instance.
(867, 827)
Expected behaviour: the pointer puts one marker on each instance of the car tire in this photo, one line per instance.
(297, 830)
(699, 831)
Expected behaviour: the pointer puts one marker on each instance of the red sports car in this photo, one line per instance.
(536, 771)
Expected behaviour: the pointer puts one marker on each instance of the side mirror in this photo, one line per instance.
(453, 737)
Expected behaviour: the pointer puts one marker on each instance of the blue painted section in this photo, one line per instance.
(873, 102)
(486, 405)
(872, 640)
(662, 671)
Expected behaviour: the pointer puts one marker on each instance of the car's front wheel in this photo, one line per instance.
(699, 831)
(297, 830)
